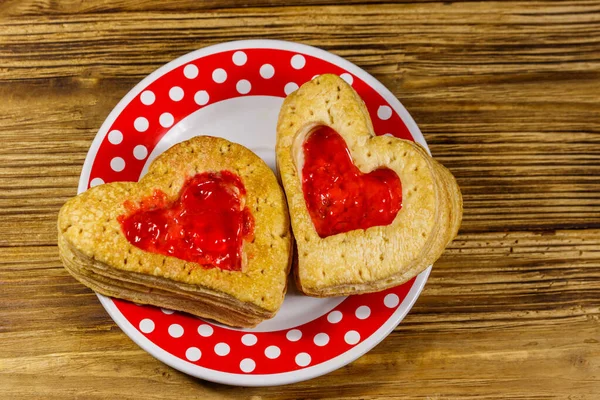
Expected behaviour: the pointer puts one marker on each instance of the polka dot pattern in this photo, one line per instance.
(161, 105)
(225, 349)
(204, 81)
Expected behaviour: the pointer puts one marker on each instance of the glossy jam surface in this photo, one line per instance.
(206, 225)
(339, 197)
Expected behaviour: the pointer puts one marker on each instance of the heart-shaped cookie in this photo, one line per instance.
(368, 212)
(205, 231)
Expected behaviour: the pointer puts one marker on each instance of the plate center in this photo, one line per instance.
(250, 121)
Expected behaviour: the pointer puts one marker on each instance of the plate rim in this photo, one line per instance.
(257, 379)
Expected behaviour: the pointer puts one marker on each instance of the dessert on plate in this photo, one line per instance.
(368, 212)
(205, 231)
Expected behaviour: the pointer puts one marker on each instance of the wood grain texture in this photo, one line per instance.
(507, 94)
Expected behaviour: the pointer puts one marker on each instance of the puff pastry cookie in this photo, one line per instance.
(368, 212)
(205, 231)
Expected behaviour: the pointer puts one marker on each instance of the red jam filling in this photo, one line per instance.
(339, 197)
(206, 225)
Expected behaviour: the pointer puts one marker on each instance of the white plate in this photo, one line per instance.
(234, 90)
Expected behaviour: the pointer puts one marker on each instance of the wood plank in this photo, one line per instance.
(506, 94)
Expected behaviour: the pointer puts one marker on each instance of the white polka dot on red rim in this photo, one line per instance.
(147, 325)
(243, 86)
(190, 71)
(391, 300)
(249, 339)
(167, 311)
(267, 71)
(272, 352)
(140, 152)
(321, 339)
(239, 58)
(141, 124)
(219, 75)
(115, 136)
(175, 331)
(363, 312)
(201, 97)
(347, 77)
(335, 316)
(247, 365)
(290, 88)
(222, 349)
(193, 354)
(384, 112)
(176, 93)
(352, 337)
(205, 330)
(147, 97)
(303, 359)
(298, 61)
(293, 335)
(96, 181)
(117, 164)
(166, 120)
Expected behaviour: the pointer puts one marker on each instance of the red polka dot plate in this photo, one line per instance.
(235, 90)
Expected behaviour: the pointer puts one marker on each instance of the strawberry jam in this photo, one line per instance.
(206, 225)
(339, 197)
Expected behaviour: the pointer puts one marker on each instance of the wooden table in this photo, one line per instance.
(507, 95)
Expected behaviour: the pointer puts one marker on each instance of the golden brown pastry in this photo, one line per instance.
(368, 212)
(205, 231)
